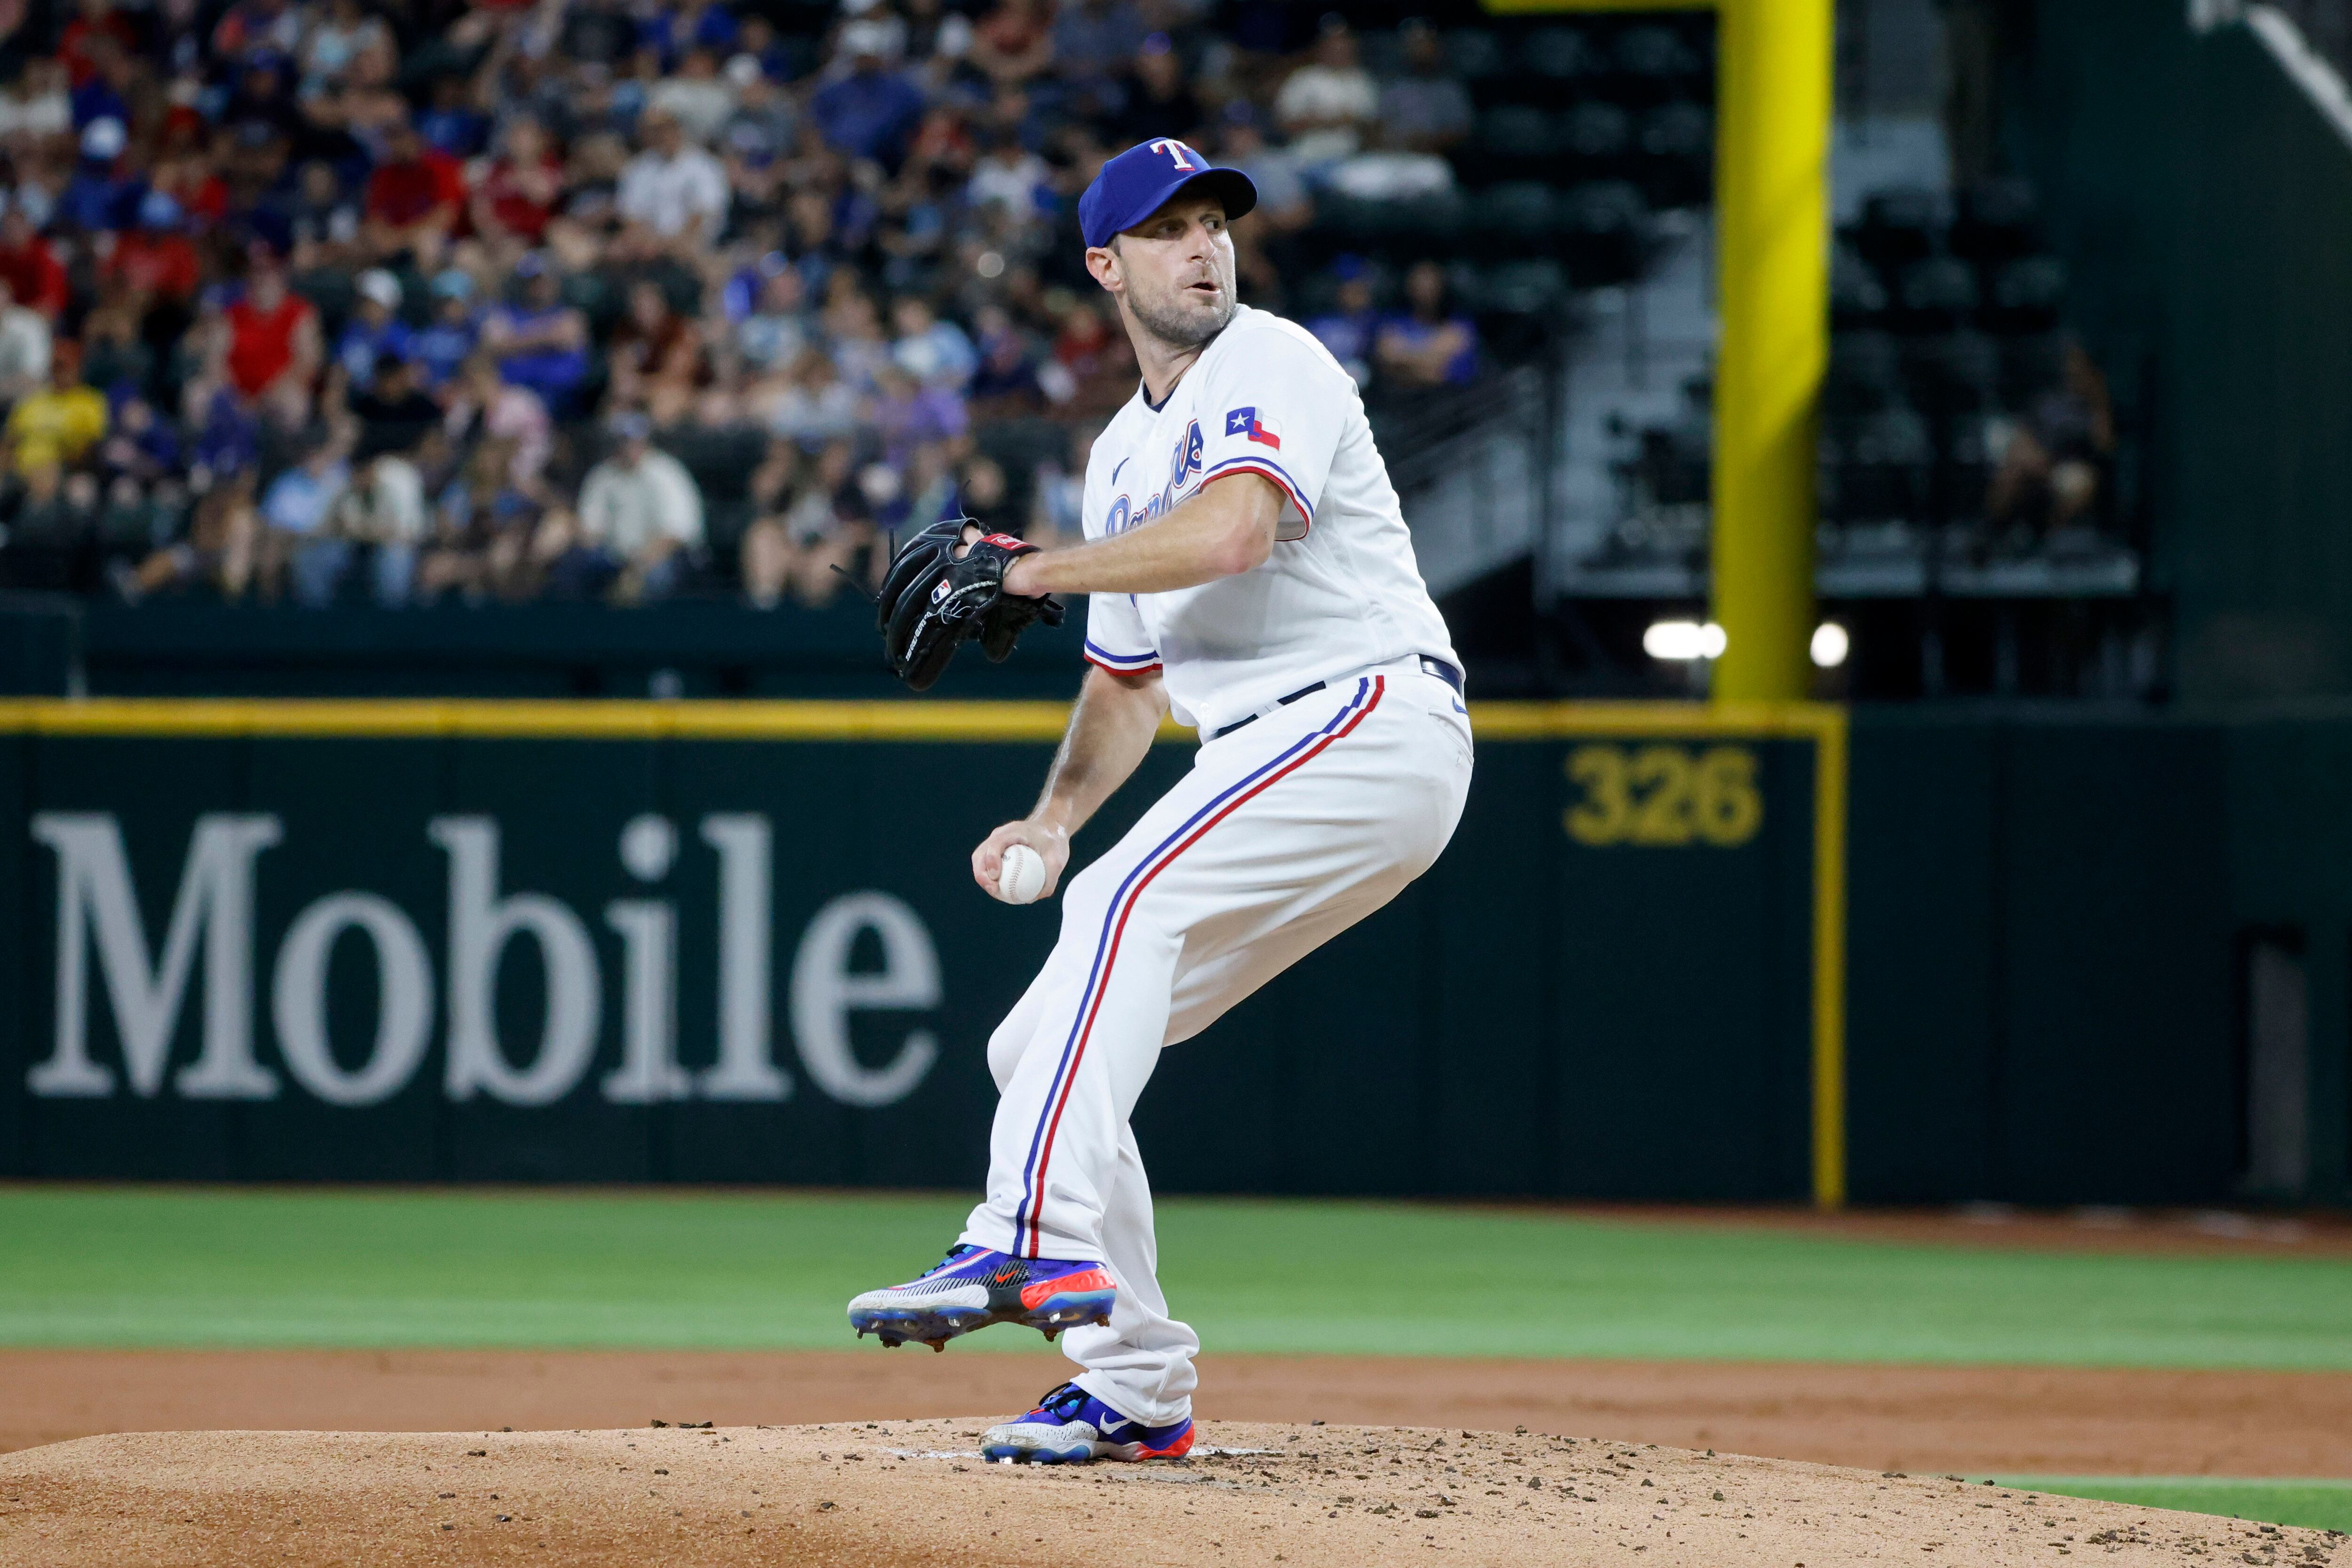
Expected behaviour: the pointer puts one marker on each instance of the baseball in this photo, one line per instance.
(1022, 877)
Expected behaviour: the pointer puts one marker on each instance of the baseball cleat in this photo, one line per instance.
(973, 1286)
(1071, 1426)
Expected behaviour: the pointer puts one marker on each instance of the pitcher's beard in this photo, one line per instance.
(1179, 328)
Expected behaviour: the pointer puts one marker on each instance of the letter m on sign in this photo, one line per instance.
(215, 904)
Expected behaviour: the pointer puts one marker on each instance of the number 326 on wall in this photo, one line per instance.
(1664, 795)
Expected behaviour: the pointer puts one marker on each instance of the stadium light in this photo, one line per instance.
(1830, 645)
(1681, 641)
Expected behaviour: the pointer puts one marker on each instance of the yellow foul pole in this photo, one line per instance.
(1772, 212)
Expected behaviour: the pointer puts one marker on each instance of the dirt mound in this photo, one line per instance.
(889, 1493)
(1982, 1420)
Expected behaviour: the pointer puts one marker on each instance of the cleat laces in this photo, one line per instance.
(1063, 1403)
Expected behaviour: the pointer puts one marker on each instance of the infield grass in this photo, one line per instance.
(2315, 1504)
(371, 1268)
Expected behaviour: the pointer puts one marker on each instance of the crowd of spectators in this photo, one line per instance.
(327, 301)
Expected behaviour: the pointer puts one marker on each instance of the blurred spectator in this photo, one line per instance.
(35, 277)
(480, 404)
(517, 194)
(154, 260)
(981, 495)
(103, 191)
(1009, 177)
(375, 329)
(376, 519)
(294, 507)
(674, 194)
(1057, 508)
(322, 223)
(869, 111)
(1094, 41)
(907, 414)
(697, 96)
(221, 548)
(1004, 384)
(53, 427)
(1427, 109)
(36, 107)
(1282, 202)
(1155, 99)
(414, 200)
(423, 246)
(1012, 42)
(1349, 327)
(1329, 105)
(771, 337)
(540, 342)
(1427, 345)
(798, 542)
(657, 355)
(2049, 473)
(446, 341)
(335, 40)
(393, 410)
(933, 352)
(639, 520)
(815, 405)
(24, 348)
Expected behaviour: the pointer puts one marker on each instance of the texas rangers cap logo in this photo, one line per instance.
(1245, 422)
(1139, 180)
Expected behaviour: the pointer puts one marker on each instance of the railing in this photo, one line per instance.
(2311, 39)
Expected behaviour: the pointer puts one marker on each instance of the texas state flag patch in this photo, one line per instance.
(1245, 422)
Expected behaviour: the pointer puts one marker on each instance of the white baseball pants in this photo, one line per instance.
(1287, 831)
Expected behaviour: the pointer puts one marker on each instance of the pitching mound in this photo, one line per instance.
(916, 1492)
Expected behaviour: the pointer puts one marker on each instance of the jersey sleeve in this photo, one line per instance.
(1116, 638)
(1278, 410)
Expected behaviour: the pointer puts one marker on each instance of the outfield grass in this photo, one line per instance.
(2317, 1504)
(357, 1267)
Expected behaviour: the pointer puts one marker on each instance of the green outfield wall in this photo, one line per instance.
(739, 944)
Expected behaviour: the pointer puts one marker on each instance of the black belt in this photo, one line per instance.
(1438, 667)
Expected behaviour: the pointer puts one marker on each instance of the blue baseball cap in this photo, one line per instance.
(1140, 181)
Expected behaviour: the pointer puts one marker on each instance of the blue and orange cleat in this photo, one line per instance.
(1071, 1426)
(973, 1286)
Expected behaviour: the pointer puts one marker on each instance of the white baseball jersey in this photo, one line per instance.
(1279, 836)
(1341, 592)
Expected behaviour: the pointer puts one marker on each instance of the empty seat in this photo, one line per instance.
(1605, 227)
(1473, 53)
(1522, 209)
(1857, 299)
(1900, 226)
(1883, 467)
(1432, 224)
(1523, 289)
(1678, 129)
(1953, 373)
(1937, 293)
(1677, 143)
(1596, 134)
(1517, 132)
(1995, 222)
(1561, 54)
(2028, 294)
(2029, 366)
(1381, 53)
(1653, 62)
(1865, 375)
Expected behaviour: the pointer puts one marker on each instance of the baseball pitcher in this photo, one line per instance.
(1247, 568)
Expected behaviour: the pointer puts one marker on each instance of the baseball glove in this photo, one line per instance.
(939, 593)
